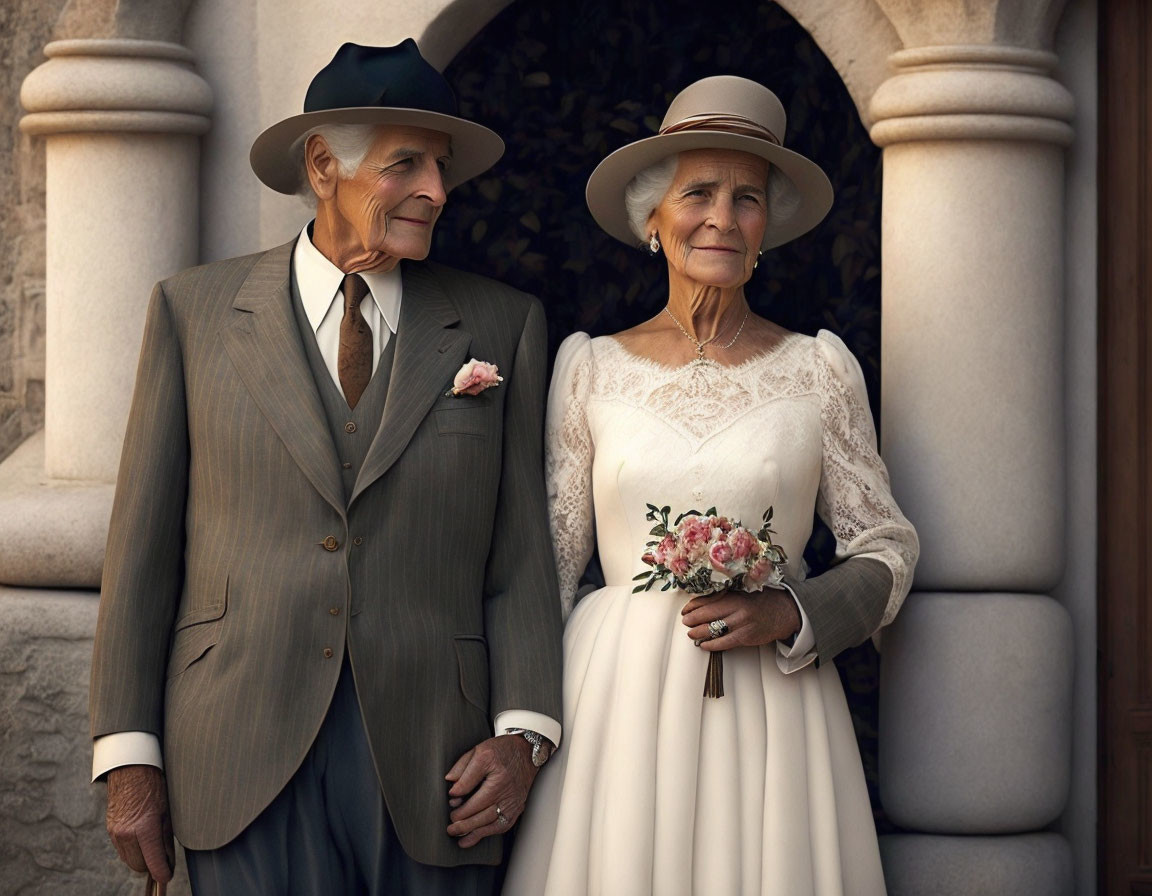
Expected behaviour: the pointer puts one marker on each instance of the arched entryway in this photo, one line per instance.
(565, 86)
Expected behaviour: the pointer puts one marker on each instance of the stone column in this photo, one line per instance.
(122, 119)
(976, 678)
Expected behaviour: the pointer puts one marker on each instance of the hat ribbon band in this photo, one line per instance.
(731, 124)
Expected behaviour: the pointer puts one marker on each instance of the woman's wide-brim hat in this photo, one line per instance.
(378, 86)
(721, 112)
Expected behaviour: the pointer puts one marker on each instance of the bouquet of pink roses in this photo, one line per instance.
(703, 553)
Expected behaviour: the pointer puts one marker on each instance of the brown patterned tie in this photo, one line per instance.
(354, 362)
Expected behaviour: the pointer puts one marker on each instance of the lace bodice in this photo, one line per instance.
(789, 429)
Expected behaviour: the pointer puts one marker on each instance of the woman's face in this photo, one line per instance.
(712, 219)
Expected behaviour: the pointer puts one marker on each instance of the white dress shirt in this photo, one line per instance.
(803, 649)
(318, 283)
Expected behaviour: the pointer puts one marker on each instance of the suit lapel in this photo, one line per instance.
(264, 344)
(429, 351)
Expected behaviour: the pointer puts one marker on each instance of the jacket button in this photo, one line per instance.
(335, 611)
(330, 543)
(358, 540)
(327, 653)
(346, 465)
(349, 427)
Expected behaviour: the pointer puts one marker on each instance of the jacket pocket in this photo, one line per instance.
(196, 632)
(472, 658)
(462, 420)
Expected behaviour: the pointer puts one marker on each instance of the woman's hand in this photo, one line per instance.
(753, 620)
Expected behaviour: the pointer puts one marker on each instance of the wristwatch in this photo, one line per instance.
(541, 747)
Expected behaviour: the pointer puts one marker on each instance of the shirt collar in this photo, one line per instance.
(319, 283)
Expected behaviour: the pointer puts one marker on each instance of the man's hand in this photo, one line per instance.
(495, 777)
(138, 821)
(753, 620)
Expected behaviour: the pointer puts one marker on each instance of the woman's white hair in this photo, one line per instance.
(349, 144)
(648, 188)
(646, 191)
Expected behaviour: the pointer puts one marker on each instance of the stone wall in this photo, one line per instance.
(51, 819)
(52, 840)
(25, 26)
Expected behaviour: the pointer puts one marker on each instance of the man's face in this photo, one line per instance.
(393, 200)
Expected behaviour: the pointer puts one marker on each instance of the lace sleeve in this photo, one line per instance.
(855, 499)
(568, 452)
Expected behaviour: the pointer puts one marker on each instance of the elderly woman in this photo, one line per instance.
(660, 789)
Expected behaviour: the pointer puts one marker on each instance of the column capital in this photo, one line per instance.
(971, 92)
(115, 85)
(1010, 23)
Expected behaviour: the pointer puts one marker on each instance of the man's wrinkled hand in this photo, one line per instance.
(490, 785)
(752, 620)
(138, 820)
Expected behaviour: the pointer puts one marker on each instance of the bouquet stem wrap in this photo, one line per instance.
(714, 683)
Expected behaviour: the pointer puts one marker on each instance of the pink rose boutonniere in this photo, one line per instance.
(474, 377)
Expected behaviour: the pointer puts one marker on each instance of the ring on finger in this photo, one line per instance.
(501, 818)
(718, 628)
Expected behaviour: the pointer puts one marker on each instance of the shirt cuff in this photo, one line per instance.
(530, 721)
(125, 748)
(803, 650)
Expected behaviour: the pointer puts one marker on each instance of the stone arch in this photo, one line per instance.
(564, 100)
(857, 37)
(455, 25)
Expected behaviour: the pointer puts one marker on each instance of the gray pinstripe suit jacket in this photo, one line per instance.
(220, 602)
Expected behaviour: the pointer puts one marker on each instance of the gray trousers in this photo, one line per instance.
(328, 833)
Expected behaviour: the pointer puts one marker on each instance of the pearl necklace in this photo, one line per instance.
(700, 359)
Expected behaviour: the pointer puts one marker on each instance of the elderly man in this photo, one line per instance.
(328, 581)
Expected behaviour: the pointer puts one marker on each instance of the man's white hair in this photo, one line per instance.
(648, 188)
(349, 144)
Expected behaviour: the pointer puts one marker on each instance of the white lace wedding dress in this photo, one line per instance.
(655, 788)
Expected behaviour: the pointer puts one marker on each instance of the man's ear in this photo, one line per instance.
(322, 168)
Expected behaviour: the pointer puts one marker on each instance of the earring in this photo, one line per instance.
(756, 263)
(654, 244)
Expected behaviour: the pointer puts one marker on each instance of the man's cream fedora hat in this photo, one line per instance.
(721, 112)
